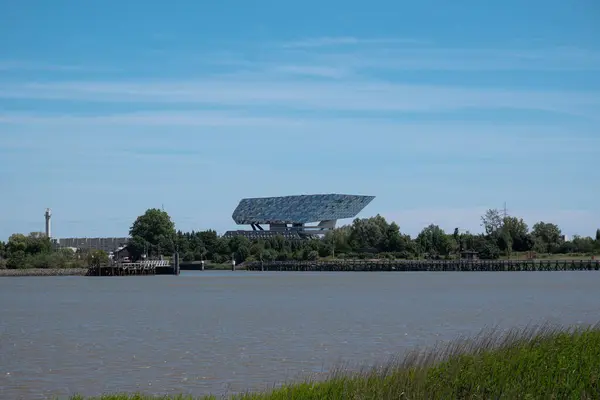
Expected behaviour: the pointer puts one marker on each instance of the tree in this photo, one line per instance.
(505, 241)
(38, 242)
(516, 231)
(242, 253)
(580, 245)
(491, 221)
(488, 250)
(465, 241)
(456, 237)
(396, 242)
(209, 240)
(597, 235)
(152, 232)
(337, 241)
(312, 255)
(16, 260)
(240, 247)
(547, 236)
(368, 235)
(433, 240)
(96, 258)
(16, 243)
(515, 226)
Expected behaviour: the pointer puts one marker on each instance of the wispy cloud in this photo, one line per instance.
(349, 40)
(448, 138)
(335, 72)
(433, 58)
(332, 75)
(159, 118)
(310, 95)
(413, 54)
(33, 66)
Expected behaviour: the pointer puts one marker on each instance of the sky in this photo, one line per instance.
(440, 109)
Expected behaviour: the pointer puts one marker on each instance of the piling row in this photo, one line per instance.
(125, 269)
(426, 265)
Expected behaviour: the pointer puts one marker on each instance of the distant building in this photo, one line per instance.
(121, 254)
(108, 245)
(289, 215)
(469, 255)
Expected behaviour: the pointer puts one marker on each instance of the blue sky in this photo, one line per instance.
(440, 109)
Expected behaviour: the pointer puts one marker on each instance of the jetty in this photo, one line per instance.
(425, 265)
(148, 267)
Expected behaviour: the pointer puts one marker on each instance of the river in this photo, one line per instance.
(224, 332)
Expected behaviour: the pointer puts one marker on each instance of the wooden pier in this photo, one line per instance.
(426, 265)
(150, 267)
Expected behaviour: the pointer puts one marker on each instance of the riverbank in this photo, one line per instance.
(543, 362)
(43, 272)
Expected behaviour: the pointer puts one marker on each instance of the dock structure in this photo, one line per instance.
(426, 265)
(149, 267)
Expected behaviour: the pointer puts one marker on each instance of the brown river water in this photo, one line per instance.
(226, 332)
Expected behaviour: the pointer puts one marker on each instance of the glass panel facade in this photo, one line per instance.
(299, 209)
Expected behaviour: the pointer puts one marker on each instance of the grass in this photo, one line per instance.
(542, 362)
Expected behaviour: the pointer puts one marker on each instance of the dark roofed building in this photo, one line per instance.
(290, 214)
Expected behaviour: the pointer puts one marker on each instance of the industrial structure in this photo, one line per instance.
(108, 244)
(48, 215)
(289, 215)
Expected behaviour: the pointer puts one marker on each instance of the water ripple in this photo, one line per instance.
(226, 332)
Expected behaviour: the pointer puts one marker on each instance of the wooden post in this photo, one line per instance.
(175, 264)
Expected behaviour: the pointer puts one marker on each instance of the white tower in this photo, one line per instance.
(48, 215)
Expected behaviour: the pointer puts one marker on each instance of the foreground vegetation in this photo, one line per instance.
(154, 234)
(536, 363)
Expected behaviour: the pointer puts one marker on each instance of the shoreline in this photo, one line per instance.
(43, 272)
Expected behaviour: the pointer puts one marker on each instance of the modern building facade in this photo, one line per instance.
(290, 215)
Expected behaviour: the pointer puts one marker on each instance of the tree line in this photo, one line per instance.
(37, 251)
(154, 234)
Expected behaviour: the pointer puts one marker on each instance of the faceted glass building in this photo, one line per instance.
(290, 214)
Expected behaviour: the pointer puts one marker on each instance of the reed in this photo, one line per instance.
(544, 361)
